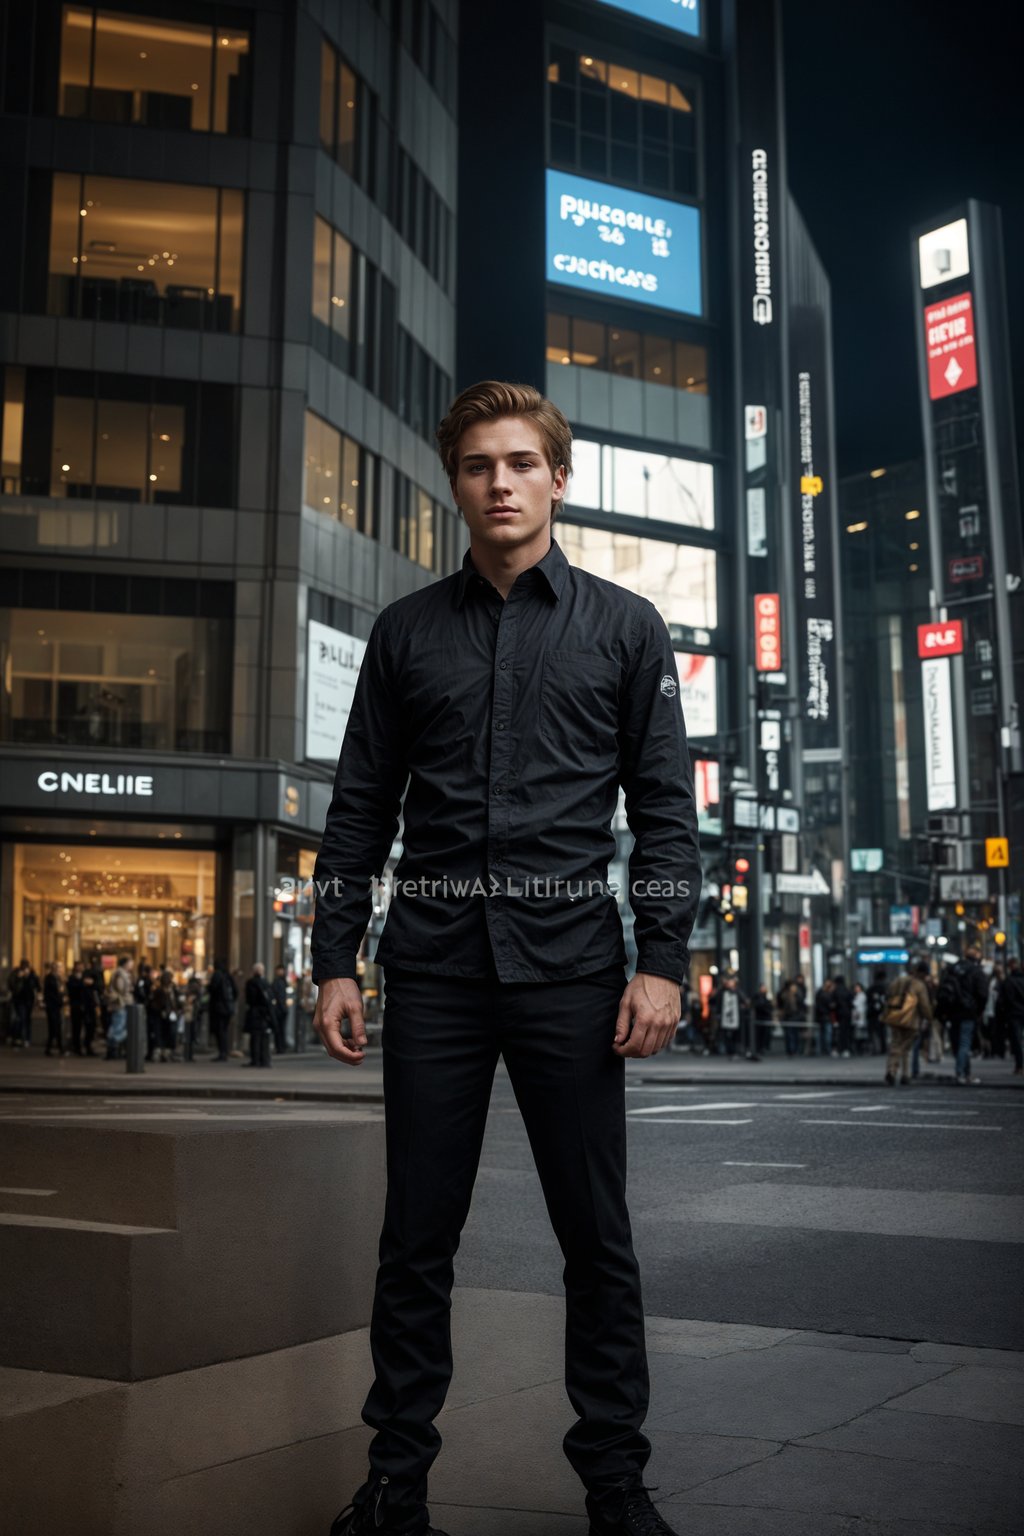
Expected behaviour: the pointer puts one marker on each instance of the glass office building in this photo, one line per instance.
(227, 330)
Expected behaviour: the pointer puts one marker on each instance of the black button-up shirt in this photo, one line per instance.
(509, 725)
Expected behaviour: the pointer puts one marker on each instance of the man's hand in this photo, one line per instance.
(337, 999)
(653, 1006)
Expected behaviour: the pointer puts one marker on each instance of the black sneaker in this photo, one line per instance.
(627, 1512)
(369, 1517)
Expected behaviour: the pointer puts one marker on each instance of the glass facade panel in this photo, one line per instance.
(347, 117)
(425, 519)
(624, 353)
(558, 339)
(349, 495)
(115, 680)
(341, 289)
(119, 68)
(322, 238)
(328, 71)
(641, 484)
(679, 579)
(322, 477)
(146, 252)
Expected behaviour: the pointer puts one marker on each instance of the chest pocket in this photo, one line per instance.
(580, 707)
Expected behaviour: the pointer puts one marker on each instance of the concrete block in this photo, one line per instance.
(224, 1240)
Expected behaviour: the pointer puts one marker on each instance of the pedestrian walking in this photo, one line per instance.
(90, 1001)
(993, 1042)
(74, 987)
(907, 1005)
(876, 1013)
(223, 1000)
(53, 1001)
(514, 696)
(23, 987)
(824, 1017)
(792, 1013)
(280, 989)
(122, 991)
(859, 1018)
(165, 1003)
(260, 1008)
(764, 1018)
(962, 994)
(306, 1010)
(1011, 1009)
(727, 1003)
(842, 1011)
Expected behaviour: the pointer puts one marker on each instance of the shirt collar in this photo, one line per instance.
(554, 568)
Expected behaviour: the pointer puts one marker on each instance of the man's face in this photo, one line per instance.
(504, 483)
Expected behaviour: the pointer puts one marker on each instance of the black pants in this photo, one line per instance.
(441, 1040)
(259, 1045)
(220, 1024)
(54, 1029)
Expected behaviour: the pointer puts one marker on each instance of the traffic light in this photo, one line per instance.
(959, 909)
(729, 917)
(742, 868)
(999, 938)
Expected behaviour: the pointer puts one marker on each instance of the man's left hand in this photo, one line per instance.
(649, 1015)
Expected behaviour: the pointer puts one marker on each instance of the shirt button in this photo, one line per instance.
(503, 665)
(498, 789)
(501, 725)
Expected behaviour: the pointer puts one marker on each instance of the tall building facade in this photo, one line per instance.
(227, 330)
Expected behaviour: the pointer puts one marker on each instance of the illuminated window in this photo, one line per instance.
(636, 483)
(610, 120)
(117, 68)
(147, 252)
(112, 437)
(348, 118)
(116, 680)
(656, 359)
(679, 579)
(339, 477)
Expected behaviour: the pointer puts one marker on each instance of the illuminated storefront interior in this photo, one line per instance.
(73, 902)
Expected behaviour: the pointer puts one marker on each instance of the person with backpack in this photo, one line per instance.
(963, 992)
(907, 1003)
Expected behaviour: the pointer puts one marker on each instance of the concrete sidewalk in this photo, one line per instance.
(755, 1432)
(313, 1075)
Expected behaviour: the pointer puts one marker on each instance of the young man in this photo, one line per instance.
(508, 702)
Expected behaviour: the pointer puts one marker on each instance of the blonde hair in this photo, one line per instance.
(489, 401)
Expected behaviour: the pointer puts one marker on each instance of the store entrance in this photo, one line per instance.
(83, 902)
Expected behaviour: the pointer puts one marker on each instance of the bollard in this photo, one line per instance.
(136, 1038)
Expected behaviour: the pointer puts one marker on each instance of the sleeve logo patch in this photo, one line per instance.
(669, 686)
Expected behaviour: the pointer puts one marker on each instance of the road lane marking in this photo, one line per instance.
(903, 1125)
(868, 1109)
(10, 1190)
(831, 1094)
(689, 1109)
(763, 1165)
(671, 1120)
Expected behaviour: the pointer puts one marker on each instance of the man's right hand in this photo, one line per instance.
(339, 999)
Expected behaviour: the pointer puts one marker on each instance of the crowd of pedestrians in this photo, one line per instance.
(86, 1010)
(965, 1012)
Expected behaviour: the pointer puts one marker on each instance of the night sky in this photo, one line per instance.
(895, 112)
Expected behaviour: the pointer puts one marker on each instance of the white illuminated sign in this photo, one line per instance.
(943, 254)
(761, 234)
(698, 684)
(940, 767)
(67, 783)
(333, 660)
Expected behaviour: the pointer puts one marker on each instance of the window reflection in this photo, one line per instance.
(152, 253)
(117, 68)
(679, 579)
(657, 359)
(636, 483)
(338, 476)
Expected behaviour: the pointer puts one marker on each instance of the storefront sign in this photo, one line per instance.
(949, 339)
(680, 15)
(333, 659)
(84, 783)
(698, 692)
(940, 768)
(623, 245)
(767, 632)
(707, 793)
(940, 639)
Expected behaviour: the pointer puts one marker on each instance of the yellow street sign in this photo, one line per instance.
(997, 852)
(810, 485)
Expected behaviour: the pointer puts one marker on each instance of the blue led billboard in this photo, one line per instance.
(680, 15)
(623, 244)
